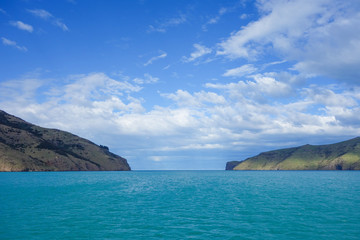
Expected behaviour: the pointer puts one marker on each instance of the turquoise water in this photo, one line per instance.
(180, 205)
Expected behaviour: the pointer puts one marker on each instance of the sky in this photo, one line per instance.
(184, 84)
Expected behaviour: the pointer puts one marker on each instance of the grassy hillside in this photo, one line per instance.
(339, 156)
(27, 147)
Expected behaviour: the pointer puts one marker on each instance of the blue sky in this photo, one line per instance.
(184, 84)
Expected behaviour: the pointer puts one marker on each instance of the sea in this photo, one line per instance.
(180, 205)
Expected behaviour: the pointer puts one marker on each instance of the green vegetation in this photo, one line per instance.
(26, 147)
(339, 156)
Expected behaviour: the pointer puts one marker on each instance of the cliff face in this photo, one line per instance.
(27, 147)
(339, 156)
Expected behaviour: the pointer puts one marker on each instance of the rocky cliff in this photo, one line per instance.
(27, 147)
(339, 156)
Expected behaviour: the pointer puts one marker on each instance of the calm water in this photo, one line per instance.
(180, 205)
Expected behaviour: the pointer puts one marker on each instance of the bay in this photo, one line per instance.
(180, 205)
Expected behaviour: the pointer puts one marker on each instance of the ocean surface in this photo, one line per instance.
(180, 205)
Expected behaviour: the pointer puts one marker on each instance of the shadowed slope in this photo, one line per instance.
(27, 147)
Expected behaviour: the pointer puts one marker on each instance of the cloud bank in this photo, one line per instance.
(234, 116)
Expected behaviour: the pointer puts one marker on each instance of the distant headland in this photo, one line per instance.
(339, 156)
(27, 147)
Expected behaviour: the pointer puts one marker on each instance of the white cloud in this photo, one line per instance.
(329, 98)
(8, 42)
(321, 36)
(299, 16)
(196, 146)
(198, 99)
(199, 52)
(172, 22)
(272, 63)
(86, 87)
(22, 90)
(215, 19)
(244, 16)
(158, 158)
(2, 11)
(227, 117)
(85, 102)
(151, 60)
(158, 122)
(240, 71)
(147, 79)
(222, 11)
(257, 89)
(333, 50)
(49, 17)
(271, 86)
(60, 24)
(41, 13)
(22, 26)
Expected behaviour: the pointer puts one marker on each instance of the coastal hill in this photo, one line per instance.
(339, 156)
(27, 147)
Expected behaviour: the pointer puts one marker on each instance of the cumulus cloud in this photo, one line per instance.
(226, 117)
(327, 97)
(22, 26)
(151, 60)
(91, 86)
(321, 36)
(200, 51)
(8, 42)
(271, 26)
(228, 113)
(255, 89)
(41, 13)
(86, 102)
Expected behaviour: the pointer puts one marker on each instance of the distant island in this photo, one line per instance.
(339, 156)
(27, 147)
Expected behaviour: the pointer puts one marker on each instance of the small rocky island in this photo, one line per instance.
(27, 147)
(339, 156)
